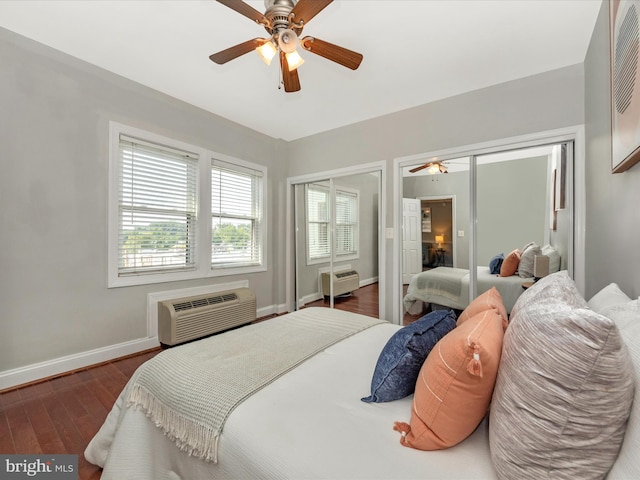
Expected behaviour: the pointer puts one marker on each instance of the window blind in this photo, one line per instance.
(317, 222)
(236, 215)
(156, 207)
(346, 223)
(318, 215)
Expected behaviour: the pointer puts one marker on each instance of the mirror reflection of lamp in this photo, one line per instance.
(439, 240)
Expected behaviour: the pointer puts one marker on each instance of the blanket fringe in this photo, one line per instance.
(195, 439)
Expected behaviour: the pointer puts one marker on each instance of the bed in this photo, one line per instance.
(449, 287)
(309, 421)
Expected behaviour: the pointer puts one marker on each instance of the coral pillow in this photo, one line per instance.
(491, 299)
(510, 264)
(402, 357)
(455, 385)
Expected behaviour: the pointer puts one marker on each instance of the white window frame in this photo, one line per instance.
(244, 167)
(203, 267)
(331, 225)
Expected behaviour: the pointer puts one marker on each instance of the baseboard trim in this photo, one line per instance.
(69, 363)
(59, 366)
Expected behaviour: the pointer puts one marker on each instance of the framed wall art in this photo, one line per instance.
(624, 28)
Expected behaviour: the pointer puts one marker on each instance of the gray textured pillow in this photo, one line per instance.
(627, 318)
(525, 268)
(557, 287)
(564, 389)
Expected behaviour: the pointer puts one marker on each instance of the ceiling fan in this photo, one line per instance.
(432, 167)
(284, 20)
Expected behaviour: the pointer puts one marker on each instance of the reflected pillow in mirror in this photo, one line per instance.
(527, 259)
(496, 263)
(510, 264)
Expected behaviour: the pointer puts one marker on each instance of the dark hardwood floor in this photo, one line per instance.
(61, 415)
(364, 301)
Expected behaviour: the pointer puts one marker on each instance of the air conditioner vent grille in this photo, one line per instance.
(346, 274)
(183, 319)
(201, 302)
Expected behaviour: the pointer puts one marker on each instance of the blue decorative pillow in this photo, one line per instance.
(402, 357)
(496, 263)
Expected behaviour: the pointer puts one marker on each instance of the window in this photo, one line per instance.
(346, 223)
(176, 215)
(157, 208)
(318, 222)
(236, 199)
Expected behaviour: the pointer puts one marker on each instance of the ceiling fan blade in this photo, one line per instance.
(305, 10)
(246, 10)
(341, 55)
(421, 167)
(290, 78)
(236, 51)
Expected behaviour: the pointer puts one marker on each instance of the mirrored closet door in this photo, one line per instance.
(337, 227)
(501, 201)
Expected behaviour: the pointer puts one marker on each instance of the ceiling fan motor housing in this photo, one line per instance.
(277, 13)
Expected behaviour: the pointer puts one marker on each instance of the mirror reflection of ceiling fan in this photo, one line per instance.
(432, 168)
(284, 20)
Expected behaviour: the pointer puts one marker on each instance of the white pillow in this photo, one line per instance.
(627, 317)
(609, 296)
(554, 258)
(525, 267)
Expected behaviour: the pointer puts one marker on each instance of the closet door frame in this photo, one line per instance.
(291, 255)
(575, 189)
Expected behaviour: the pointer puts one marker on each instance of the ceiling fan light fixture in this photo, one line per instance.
(267, 51)
(294, 60)
(433, 169)
(288, 40)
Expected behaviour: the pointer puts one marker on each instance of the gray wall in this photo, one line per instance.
(53, 186)
(613, 217)
(511, 206)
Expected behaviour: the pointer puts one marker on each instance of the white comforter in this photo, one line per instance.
(310, 423)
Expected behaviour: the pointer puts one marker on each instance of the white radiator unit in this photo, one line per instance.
(184, 319)
(343, 282)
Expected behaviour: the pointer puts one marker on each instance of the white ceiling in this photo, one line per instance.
(415, 52)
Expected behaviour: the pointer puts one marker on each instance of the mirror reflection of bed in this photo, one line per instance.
(517, 202)
(449, 287)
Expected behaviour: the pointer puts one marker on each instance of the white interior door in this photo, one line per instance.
(411, 239)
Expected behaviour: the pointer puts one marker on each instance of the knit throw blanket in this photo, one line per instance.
(189, 391)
